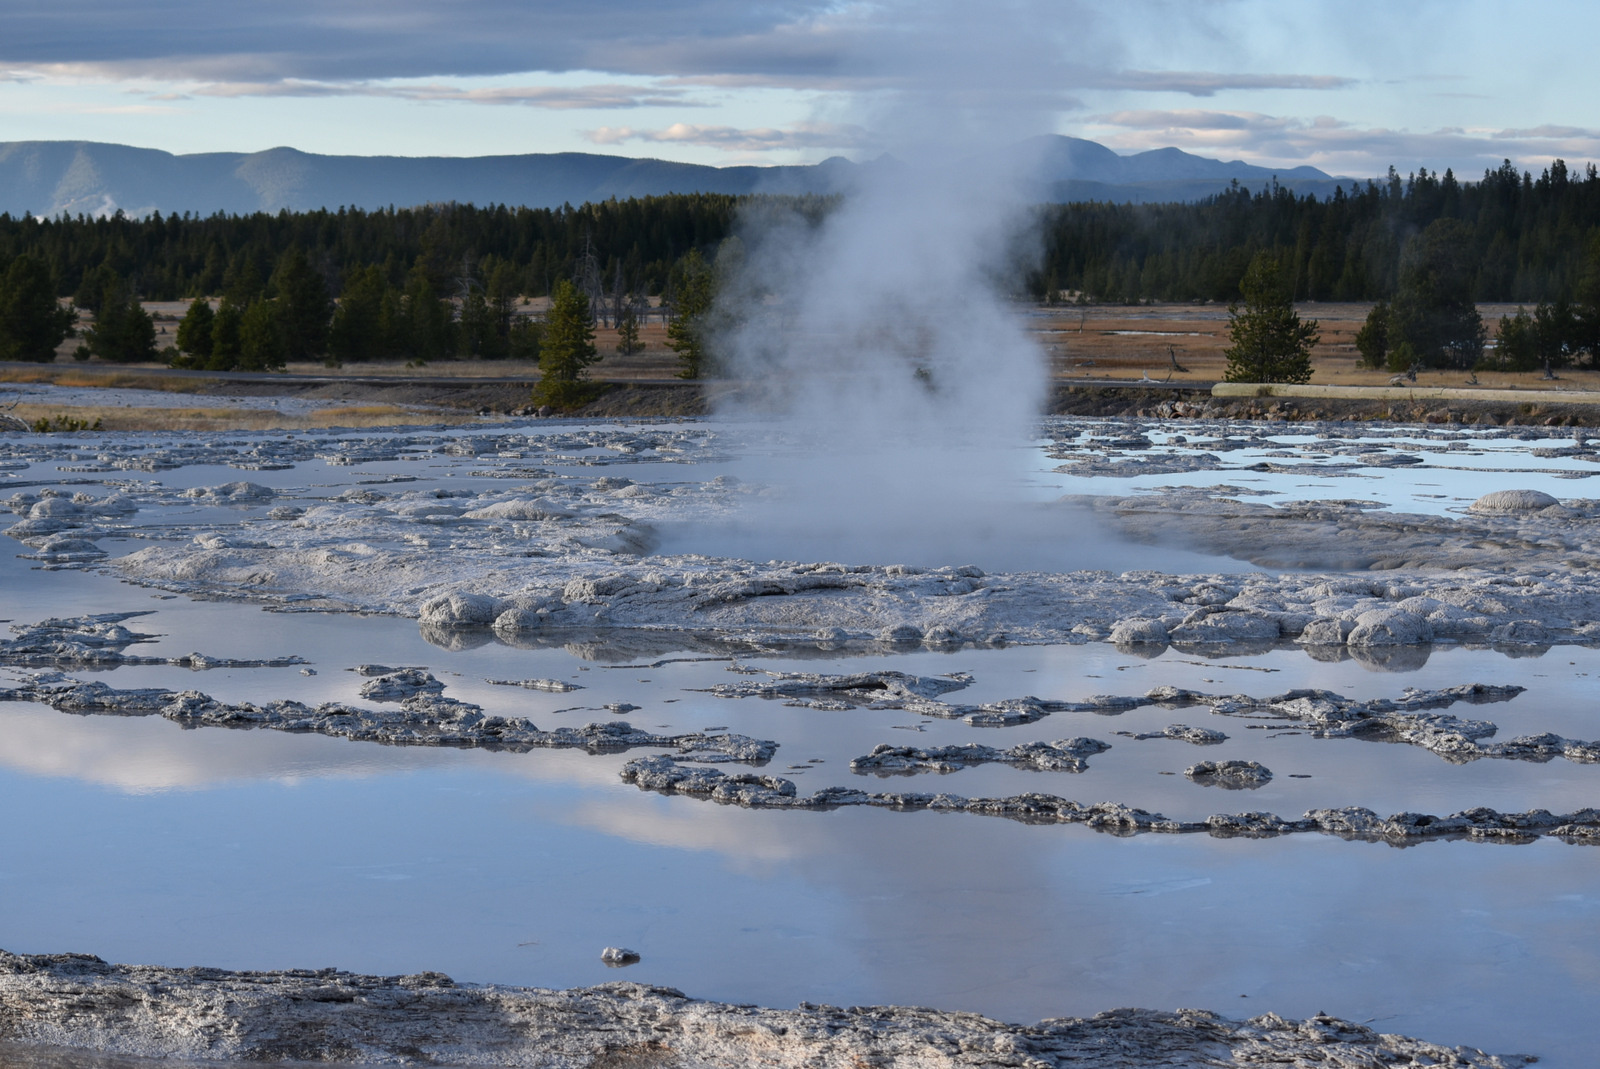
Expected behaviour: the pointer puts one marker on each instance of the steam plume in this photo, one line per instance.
(881, 343)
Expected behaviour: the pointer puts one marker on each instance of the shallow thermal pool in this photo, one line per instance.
(139, 840)
(1430, 470)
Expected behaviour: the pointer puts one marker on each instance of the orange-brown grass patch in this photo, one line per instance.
(1111, 342)
(100, 378)
(128, 418)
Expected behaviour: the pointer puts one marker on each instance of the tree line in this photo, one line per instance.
(443, 280)
(1520, 239)
(166, 258)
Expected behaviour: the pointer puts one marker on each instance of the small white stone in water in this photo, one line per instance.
(616, 957)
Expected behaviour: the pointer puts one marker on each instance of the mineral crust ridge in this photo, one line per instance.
(325, 1015)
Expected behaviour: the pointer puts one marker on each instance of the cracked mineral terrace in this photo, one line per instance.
(426, 717)
(664, 775)
(428, 1019)
(1516, 570)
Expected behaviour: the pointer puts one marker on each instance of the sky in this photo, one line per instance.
(1349, 86)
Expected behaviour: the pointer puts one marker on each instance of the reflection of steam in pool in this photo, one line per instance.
(965, 508)
(802, 519)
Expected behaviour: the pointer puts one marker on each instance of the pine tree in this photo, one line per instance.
(567, 348)
(357, 331)
(303, 307)
(123, 332)
(476, 337)
(628, 341)
(225, 331)
(425, 325)
(194, 332)
(1516, 342)
(241, 282)
(525, 339)
(32, 324)
(1433, 309)
(502, 296)
(1586, 302)
(261, 338)
(1270, 343)
(691, 307)
(1372, 340)
(96, 284)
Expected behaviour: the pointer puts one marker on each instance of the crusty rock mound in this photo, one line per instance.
(74, 1000)
(1513, 501)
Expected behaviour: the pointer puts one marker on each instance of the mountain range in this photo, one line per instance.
(94, 178)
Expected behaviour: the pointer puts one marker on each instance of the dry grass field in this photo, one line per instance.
(1087, 345)
(1110, 343)
(125, 418)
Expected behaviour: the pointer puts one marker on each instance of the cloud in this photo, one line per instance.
(1338, 146)
(355, 40)
(735, 139)
(1541, 132)
(1210, 83)
(795, 44)
(558, 98)
(1194, 120)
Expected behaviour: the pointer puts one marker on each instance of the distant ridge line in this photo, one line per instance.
(48, 178)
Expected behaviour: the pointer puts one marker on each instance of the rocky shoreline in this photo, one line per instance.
(81, 1002)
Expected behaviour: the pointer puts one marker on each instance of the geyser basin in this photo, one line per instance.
(267, 849)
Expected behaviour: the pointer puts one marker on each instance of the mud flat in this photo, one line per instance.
(73, 1000)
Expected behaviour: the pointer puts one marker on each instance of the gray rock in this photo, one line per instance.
(1230, 775)
(1390, 627)
(663, 774)
(240, 493)
(78, 1001)
(425, 718)
(617, 956)
(1513, 501)
(98, 641)
(550, 686)
(1326, 631)
(1520, 632)
(398, 686)
(66, 549)
(1226, 627)
(1063, 755)
(459, 609)
(1181, 733)
(1138, 632)
(515, 621)
(55, 508)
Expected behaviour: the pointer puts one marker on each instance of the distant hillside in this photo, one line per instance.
(1071, 169)
(50, 177)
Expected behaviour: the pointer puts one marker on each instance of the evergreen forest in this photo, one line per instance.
(442, 280)
(1522, 239)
